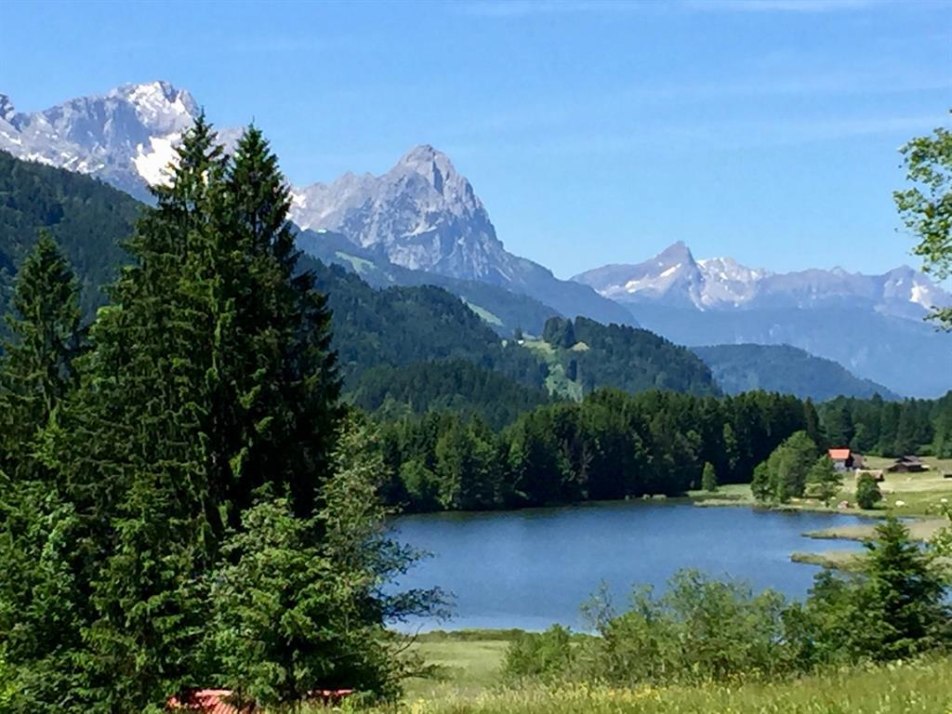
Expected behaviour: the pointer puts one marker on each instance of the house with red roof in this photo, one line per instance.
(845, 459)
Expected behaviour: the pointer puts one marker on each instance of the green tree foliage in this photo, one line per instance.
(610, 446)
(455, 385)
(905, 612)
(709, 478)
(545, 655)
(36, 371)
(299, 604)
(823, 481)
(867, 491)
(698, 630)
(625, 358)
(398, 327)
(559, 332)
(784, 475)
(926, 207)
(41, 604)
(211, 387)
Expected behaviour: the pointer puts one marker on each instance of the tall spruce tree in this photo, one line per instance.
(40, 605)
(211, 376)
(36, 370)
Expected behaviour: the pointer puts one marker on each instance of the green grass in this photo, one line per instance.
(484, 314)
(923, 687)
(839, 559)
(466, 663)
(557, 383)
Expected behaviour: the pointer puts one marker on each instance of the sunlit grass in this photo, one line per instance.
(911, 688)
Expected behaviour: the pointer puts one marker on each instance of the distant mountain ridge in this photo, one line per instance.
(675, 278)
(125, 137)
(422, 222)
(873, 325)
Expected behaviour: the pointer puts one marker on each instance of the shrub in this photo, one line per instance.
(544, 654)
(867, 492)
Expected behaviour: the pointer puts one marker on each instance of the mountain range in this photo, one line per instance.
(874, 325)
(422, 222)
(675, 278)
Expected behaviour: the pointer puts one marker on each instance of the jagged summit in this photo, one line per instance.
(125, 136)
(674, 277)
(422, 213)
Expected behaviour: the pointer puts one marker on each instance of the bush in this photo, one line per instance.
(700, 629)
(867, 492)
(547, 654)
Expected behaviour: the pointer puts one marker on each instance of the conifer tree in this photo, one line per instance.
(36, 370)
(41, 605)
(211, 376)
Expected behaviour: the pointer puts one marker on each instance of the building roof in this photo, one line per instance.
(209, 701)
(839, 454)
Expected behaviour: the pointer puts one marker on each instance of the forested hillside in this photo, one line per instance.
(785, 369)
(592, 355)
(87, 218)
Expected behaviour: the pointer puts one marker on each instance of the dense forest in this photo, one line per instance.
(875, 426)
(186, 499)
(612, 445)
(87, 218)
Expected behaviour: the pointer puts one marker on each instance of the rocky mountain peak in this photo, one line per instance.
(673, 277)
(435, 167)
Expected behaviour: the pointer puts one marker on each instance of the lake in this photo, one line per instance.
(532, 568)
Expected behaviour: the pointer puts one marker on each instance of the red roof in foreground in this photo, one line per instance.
(839, 454)
(209, 701)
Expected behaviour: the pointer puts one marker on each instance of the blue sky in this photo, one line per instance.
(595, 132)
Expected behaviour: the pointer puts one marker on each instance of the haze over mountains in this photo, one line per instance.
(675, 278)
(422, 221)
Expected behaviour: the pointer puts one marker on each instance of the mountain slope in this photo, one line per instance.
(502, 309)
(784, 369)
(870, 324)
(424, 215)
(908, 356)
(87, 219)
(585, 355)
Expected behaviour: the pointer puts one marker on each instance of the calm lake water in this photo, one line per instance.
(529, 569)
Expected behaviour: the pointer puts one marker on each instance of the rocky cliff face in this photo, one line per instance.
(125, 137)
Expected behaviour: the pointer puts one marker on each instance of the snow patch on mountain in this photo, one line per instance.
(154, 164)
(125, 137)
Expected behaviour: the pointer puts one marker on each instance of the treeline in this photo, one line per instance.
(876, 426)
(612, 445)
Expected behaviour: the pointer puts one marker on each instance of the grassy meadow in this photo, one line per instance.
(470, 682)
